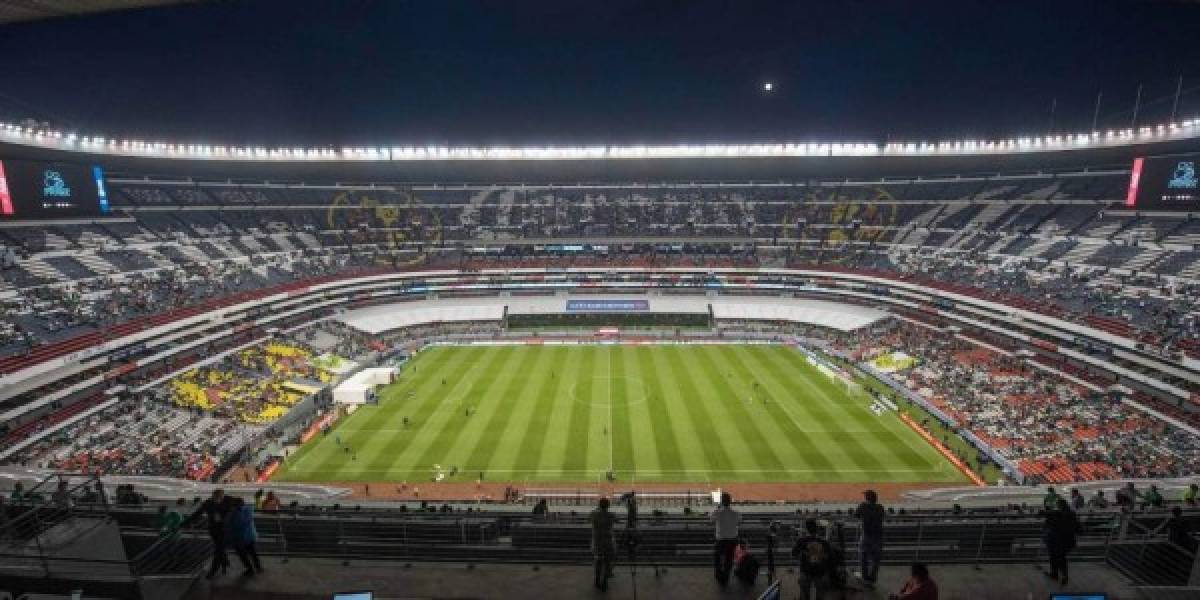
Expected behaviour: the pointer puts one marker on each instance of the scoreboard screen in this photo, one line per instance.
(1165, 183)
(49, 190)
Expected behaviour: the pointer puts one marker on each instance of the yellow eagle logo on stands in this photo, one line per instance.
(830, 213)
(390, 220)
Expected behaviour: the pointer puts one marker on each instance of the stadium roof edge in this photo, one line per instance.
(658, 170)
(44, 137)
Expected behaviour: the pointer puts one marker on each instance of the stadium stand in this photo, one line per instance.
(185, 336)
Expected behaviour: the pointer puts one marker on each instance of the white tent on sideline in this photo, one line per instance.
(360, 387)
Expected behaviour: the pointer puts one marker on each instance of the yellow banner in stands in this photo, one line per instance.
(300, 388)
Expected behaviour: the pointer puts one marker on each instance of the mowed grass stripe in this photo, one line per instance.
(713, 445)
(691, 444)
(863, 448)
(599, 423)
(427, 396)
(810, 402)
(575, 458)
(807, 452)
(643, 446)
(494, 398)
(673, 413)
(324, 455)
(531, 367)
(436, 403)
(558, 435)
(624, 459)
(356, 429)
(793, 449)
(867, 450)
(521, 446)
(449, 422)
(731, 403)
(876, 436)
(666, 446)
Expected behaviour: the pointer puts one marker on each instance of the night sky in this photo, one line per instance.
(562, 72)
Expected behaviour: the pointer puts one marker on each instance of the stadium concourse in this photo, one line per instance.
(956, 330)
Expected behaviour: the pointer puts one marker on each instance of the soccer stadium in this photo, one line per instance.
(417, 370)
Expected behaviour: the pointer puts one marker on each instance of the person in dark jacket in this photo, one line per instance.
(242, 535)
(216, 511)
(603, 548)
(1179, 532)
(871, 512)
(814, 556)
(1060, 529)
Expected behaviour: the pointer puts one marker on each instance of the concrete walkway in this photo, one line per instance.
(319, 579)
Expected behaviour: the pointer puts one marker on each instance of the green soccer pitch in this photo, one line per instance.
(721, 413)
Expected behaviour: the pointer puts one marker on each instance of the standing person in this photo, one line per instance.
(871, 549)
(1189, 496)
(1050, 500)
(5, 533)
(243, 535)
(1098, 501)
(603, 549)
(1077, 501)
(1060, 529)
(1127, 496)
(725, 521)
(920, 586)
(216, 511)
(62, 495)
(815, 557)
(1179, 531)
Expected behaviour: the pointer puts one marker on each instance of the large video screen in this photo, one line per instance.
(1165, 183)
(49, 190)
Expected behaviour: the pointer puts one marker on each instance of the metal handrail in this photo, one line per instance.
(1124, 540)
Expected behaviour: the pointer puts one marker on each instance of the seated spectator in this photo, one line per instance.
(1127, 496)
(1152, 498)
(920, 586)
(170, 520)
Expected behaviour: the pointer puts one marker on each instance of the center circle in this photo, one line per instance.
(634, 386)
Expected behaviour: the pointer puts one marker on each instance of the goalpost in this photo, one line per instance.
(841, 378)
(853, 388)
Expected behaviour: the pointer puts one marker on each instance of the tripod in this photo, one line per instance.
(771, 553)
(631, 543)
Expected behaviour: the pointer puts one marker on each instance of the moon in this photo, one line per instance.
(768, 86)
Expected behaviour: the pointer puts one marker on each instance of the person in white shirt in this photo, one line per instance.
(725, 521)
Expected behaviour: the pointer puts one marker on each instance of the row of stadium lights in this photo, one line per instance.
(73, 142)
